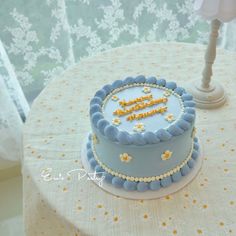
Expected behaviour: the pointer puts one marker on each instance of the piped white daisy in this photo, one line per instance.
(170, 117)
(139, 127)
(116, 121)
(114, 98)
(166, 155)
(146, 89)
(166, 93)
(125, 157)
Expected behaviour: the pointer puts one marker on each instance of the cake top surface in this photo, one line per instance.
(140, 110)
(142, 107)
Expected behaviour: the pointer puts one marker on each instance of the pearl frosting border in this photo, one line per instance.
(110, 131)
(142, 186)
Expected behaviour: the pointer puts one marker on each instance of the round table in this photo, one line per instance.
(58, 203)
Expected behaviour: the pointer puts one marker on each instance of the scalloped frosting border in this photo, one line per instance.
(117, 90)
(110, 131)
(142, 179)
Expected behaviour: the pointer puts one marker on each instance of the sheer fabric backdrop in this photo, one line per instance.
(43, 38)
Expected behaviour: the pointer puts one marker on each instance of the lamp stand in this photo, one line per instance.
(208, 94)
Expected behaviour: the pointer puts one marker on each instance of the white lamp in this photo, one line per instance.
(210, 94)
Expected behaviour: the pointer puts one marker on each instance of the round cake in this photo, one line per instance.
(143, 134)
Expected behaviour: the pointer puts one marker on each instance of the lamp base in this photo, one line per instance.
(207, 98)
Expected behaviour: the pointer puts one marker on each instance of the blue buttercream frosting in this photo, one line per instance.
(140, 79)
(96, 117)
(117, 84)
(108, 177)
(176, 176)
(175, 130)
(130, 185)
(90, 154)
(187, 97)
(93, 162)
(165, 182)
(101, 93)
(129, 80)
(183, 124)
(107, 88)
(179, 90)
(189, 103)
(111, 132)
(95, 108)
(96, 100)
(196, 146)
(161, 82)
(163, 135)
(155, 185)
(145, 147)
(191, 163)
(150, 137)
(124, 138)
(195, 154)
(151, 80)
(101, 124)
(142, 186)
(118, 182)
(188, 117)
(190, 110)
(171, 85)
(185, 170)
(138, 139)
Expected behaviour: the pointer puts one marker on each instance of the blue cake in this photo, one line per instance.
(143, 134)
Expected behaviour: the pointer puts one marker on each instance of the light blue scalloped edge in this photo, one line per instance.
(110, 131)
(143, 186)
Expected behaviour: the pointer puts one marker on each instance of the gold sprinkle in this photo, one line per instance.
(174, 231)
(222, 223)
(205, 206)
(194, 201)
(226, 170)
(65, 189)
(145, 216)
(105, 213)
(79, 208)
(186, 195)
(163, 224)
(231, 202)
(99, 206)
(222, 129)
(167, 197)
(94, 218)
(115, 218)
(199, 231)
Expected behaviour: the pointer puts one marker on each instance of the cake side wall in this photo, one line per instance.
(144, 160)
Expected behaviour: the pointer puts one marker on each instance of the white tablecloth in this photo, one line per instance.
(59, 122)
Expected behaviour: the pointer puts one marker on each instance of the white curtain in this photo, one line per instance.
(44, 37)
(13, 111)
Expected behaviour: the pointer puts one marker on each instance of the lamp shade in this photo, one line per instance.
(223, 10)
